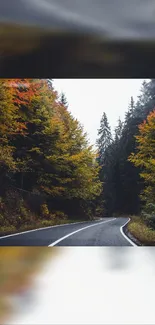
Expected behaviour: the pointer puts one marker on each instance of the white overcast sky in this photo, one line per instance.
(89, 98)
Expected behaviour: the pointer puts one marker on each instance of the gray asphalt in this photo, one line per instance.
(101, 234)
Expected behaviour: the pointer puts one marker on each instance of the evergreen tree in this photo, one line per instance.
(132, 184)
(63, 100)
(104, 142)
(118, 130)
(121, 179)
(104, 137)
(129, 181)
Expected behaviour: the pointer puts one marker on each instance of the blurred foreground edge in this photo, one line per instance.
(36, 52)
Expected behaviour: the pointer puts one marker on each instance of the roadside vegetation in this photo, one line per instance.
(49, 172)
(127, 165)
(141, 231)
(48, 169)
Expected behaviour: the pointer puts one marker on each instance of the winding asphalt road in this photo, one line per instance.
(105, 232)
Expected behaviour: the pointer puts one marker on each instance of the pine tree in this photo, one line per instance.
(131, 182)
(104, 137)
(105, 159)
(63, 100)
(118, 130)
(122, 183)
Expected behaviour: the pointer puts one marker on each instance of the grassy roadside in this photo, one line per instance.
(138, 228)
(40, 224)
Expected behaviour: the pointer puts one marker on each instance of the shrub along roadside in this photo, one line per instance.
(141, 231)
(16, 216)
(8, 230)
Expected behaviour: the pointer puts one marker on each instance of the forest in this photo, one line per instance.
(48, 169)
(50, 173)
(127, 163)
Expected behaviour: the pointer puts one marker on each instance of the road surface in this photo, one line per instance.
(105, 232)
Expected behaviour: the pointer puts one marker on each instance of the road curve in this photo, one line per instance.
(105, 232)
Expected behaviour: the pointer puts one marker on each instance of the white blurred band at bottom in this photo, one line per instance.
(91, 285)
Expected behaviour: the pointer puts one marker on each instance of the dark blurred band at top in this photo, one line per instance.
(80, 38)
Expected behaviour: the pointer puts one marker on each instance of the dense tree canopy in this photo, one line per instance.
(49, 170)
(122, 181)
(45, 151)
(144, 157)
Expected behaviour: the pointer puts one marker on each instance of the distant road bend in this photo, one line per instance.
(105, 232)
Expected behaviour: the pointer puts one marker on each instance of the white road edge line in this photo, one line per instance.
(74, 232)
(44, 228)
(126, 237)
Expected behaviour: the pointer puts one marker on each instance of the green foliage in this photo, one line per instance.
(145, 159)
(45, 223)
(2, 220)
(44, 210)
(142, 231)
(105, 159)
(149, 214)
(43, 150)
(60, 215)
(123, 180)
(118, 131)
(63, 100)
(104, 137)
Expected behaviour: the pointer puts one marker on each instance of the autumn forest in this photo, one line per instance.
(49, 172)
